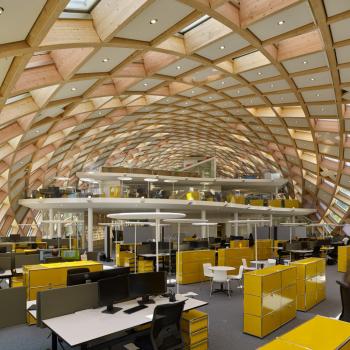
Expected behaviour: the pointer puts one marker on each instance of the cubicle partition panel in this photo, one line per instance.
(6, 261)
(233, 256)
(13, 306)
(71, 299)
(240, 243)
(21, 259)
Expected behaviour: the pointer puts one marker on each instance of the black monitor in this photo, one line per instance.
(112, 290)
(146, 284)
(14, 238)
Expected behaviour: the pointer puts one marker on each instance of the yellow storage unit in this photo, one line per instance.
(257, 202)
(319, 333)
(144, 265)
(291, 203)
(265, 250)
(238, 199)
(47, 276)
(124, 256)
(194, 325)
(233, 256)
(343, 258)
(277, 203)
(189, 265)
(242, 243)
(269, 299)
(311, 282)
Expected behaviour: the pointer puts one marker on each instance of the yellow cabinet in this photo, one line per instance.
(269, 299)
(311, 282)
(240, 243)
(194, 326)
(189, 265)
(343, 258)
(233, 256)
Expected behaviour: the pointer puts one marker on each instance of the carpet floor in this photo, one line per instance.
(225, 320)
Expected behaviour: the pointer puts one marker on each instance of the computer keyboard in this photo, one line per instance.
(135, 309)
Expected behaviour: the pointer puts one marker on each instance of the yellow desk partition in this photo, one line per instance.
(47, 276)
(343, 258)
(311, 282)
(291, 203)
(189, 265)
(257, 202)
(277, 203)
(319, 333)
(265, 250)
(269, 299)
(240, 243)
(233, 256)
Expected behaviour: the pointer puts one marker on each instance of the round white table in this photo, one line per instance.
(260, 263)
(221, 268)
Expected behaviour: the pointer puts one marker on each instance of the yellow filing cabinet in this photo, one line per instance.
(144, 265)
(319, 333)
(311, 282)
(257, 202)
(277, 203)
(343, 258)
(233, 256)
(194, 326)
(241, 243)
(189, 265)
(265, 249)
(291, 203)
(47, 276)
(238, 199)
(269, 299)
(124, 255)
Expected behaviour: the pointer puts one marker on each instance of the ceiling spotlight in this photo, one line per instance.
(312, 79)
(222, 47)
(281, 22)
(145, 84)
(210, 97)
(192, 92)
(214, 70)
(322, 109)
(238, 92)
(104, 60)
(74, 89)
(178, 67)
(222, 83)
(318, 95)
(272, 85)
(37, 131)
(1, 10)
(305, 62)
(282, 98)
(259, 73)
(153, 21)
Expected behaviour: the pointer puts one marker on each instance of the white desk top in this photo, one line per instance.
(261, 262)
(6, 273)
(29, 304)
(87, 325)
(19, 270)
(221, 268)
(301, 251)
(153, 255)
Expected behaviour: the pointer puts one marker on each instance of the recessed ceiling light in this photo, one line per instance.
(37, 131)
(104, 60)
(214, 70)
(272, 85)
(281, 22)
(312, 79)
(192, 92)
(222, 47)
(222, 83)
(322, 109)
(74, 89)
(259, 73)
(305, 62)
(1, 10)
(210, 97)
(153, 21)
(145, 84)
(282, 98)
(178, 67)
(318, 95)
(238, 92)
(99, 113)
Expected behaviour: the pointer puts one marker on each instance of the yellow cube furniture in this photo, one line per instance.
(265, 250)
(269, 299)
(257, 202)
(242, 243)
(194, 326)
(277, 203)
(233, 256)
(291, 203)
(343, 258)
(319, 333)
(189, 265)
(47, 276)
(311, 282)
(144, 265)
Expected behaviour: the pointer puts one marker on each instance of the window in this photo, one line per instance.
(194, 24)
(345, 191)
(341, 205)
(334, 217)
(84, 6)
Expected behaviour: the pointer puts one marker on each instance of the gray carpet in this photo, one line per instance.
(225, 320)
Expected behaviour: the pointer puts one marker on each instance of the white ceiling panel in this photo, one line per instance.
(237, 92)
(316, 79)
(145, 85)
(343, 54)
(322, 110)
(254, 101)
(210, 98)
(223, 83)
(5, 64)
(193, 92)
(340, 30)
(275, 85)
(344, 75)
(282, 98)
(73, 89)
(292, 18)
(318, 95)
(166, 13)
(296, 122)
(18, 18)
(260, 73)
(105, 59)
(305, 62)
(179, 67)
(223, 47)
(333, 7)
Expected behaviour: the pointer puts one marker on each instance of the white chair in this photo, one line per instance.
(238, 277)
(206, 270)
(220, 276)
(271, 262)
(245, 265)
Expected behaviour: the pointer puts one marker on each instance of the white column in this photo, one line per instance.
(236, 223)
(157, 240)
(271, 220)
(203, 228)
(228, 229)
(105, 237)
(90, 229)
(59, 233)
(178, 257)
(293, 218)
(51, 223)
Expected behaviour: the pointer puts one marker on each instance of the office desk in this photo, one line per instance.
(301, 252)
(319, 333)
(150, 255)
(85, 326)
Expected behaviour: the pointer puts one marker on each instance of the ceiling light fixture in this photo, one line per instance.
(145, 84)
(259, 73)
(153, 21)
(1, 10)
(238, 92)
(74, 89)
(192, 92)
(305, 62)
(312, 79)
(210, 97)
(37, 131)
(178, 67)
(272, 85)
(318, 95)
(222, 83)
(281, 22)
(104, 60)
(222, 47)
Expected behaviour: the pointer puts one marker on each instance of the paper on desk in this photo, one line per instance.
(190, 294)
(150, 316)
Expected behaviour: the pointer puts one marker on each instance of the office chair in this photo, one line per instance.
(316, 252)
(345, 300)
(165, 333)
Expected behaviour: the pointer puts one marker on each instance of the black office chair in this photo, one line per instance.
(345, 300)
(165, 333)
(316, 252)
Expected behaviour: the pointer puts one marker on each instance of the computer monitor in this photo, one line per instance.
(14, 238)
(112, 290)
(147, 284)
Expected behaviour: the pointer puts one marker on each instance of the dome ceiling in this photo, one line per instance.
(260, 85)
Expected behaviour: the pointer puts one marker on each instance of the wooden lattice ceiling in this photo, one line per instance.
(259, 84)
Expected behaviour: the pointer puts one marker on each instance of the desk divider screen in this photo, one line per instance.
(24, 259)
(6, 262)
(13, 306)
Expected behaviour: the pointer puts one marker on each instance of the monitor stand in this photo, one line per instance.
(146, 300)
(111, 309)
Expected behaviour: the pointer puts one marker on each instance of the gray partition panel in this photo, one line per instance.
(62, 301)
(6, 262)
(24, 259)
(13, 306)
